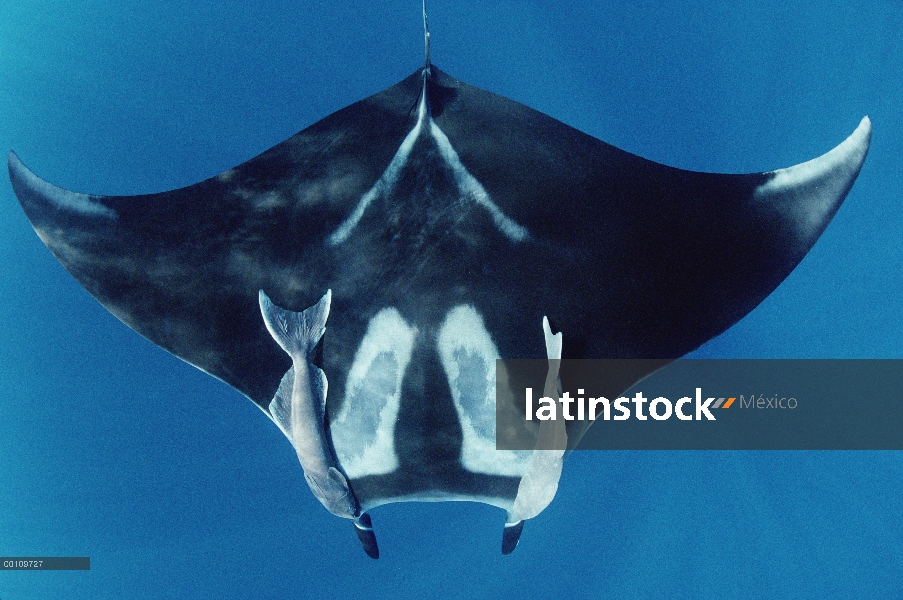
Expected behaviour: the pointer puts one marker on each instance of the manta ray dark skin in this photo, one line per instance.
(359, 280)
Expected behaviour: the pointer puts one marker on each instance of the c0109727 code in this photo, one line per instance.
(45, 563)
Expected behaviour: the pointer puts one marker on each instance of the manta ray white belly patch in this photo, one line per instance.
(468, 356)
(364, 431)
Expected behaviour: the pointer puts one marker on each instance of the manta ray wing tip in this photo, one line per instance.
(36, 196)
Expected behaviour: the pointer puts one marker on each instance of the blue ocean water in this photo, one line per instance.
(177, 487)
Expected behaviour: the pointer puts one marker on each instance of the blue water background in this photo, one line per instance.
(178, 487)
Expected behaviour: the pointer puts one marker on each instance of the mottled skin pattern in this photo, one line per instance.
(626, 257)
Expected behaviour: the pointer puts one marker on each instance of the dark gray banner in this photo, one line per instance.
(774, 404)
(45, 563)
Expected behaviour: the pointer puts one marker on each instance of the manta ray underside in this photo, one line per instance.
(429, 230)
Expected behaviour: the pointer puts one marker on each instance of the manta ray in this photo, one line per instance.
(359, 281)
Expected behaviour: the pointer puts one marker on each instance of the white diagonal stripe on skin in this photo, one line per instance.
(471, 188)
(468, 185)
(385, 183)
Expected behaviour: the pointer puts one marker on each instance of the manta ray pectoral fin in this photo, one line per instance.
(34, 191)
(806, 196)
(539, 484)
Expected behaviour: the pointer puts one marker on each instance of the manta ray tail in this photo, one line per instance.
(297, 332)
